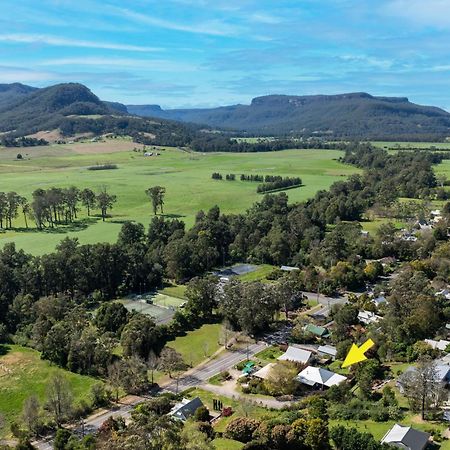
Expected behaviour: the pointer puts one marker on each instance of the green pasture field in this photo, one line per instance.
(198, 345)
(186, 177)
(23, 373)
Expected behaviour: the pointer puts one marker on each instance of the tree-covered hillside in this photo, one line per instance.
(356, 115)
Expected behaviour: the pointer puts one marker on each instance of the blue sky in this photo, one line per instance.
(184, 53)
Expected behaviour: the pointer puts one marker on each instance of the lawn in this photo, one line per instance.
(259, 274)
(23, 373)
(372, 225)
(174, 290)
(198, 345)
(379, 429)
(269, 354)
(227, 444)
(239, 408)
(186, 177)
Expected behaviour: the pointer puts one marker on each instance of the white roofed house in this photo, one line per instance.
(327, 351)
(264, 373)
(406, 438)
(368, 317)
(442, 344)
(319, 378)
(297, 355)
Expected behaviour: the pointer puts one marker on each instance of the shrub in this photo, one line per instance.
(103, 167)
(201, 414)
(227, 412)
(241, 429)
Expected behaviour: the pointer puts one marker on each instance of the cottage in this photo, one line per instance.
(317, 330)
(442, 344)
(368, 317)
(327, 351)
(442, 375)
(406, 437)
(263, 374)
(296, 354)
(317, 377)
(185, 409)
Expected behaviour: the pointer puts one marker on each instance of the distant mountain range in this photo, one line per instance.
(72, 108)
(354, 115)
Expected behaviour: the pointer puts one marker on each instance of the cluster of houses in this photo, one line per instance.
(421, 226)
(312, 376)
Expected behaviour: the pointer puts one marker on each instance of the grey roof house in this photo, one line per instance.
(296, 354)
(327, 351)
(186, 408)
(406, 438)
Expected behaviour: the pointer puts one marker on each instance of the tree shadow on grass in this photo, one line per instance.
(120, 221)
(78, 225)
(4, 349)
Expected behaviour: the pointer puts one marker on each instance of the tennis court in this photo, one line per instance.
(160, 306)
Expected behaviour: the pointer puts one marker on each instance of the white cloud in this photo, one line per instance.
(210, 27)
(434, 13)
(161, 65)
(67, 42)
(268, 19)
(19, 75)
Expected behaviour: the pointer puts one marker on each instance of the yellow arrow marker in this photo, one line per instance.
(356, 354)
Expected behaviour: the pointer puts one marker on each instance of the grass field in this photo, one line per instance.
(175, 290)
(251, 410)
(186, 176)
(23, 373)
(227, 444)
(259, 274)
(198, 344)
(379, 429)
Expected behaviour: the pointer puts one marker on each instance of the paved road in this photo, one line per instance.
(326, 302)
(204, 372)
(195, 377)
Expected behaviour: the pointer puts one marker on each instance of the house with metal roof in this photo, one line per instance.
(318, 377)
(316, 330)
(406, 438)
(296, 354)
(185, 409)
(442, 375)
(441, 345)
(264, 373)
(327, 351)
(368, 317)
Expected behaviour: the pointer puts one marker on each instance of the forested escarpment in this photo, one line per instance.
(345, 116)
